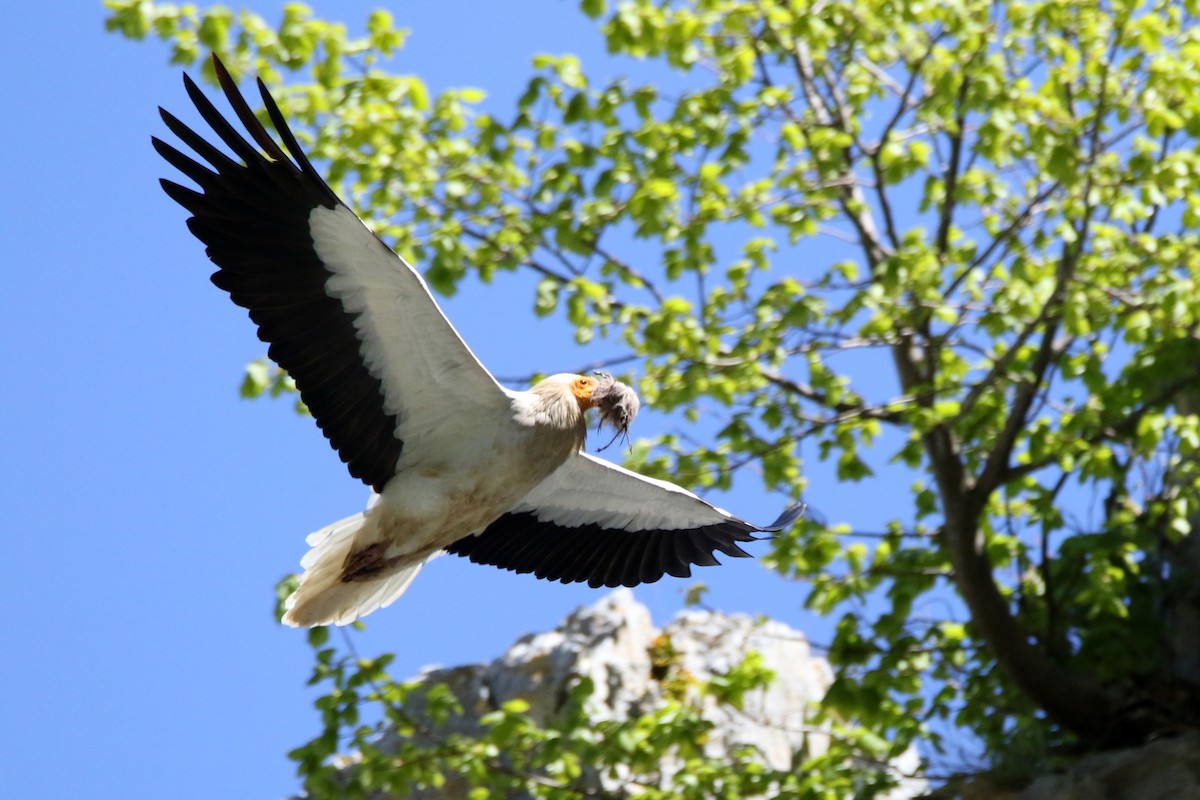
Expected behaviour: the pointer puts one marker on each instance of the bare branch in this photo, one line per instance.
(883, 413)
(1002, 363)
(950, 176)
(1005, 236)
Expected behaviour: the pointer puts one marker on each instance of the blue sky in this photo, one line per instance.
(148, 512)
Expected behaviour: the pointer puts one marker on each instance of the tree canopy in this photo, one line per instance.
(958, 238)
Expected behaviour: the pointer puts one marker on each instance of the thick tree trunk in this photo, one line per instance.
(1073, 701)
(1182, 601)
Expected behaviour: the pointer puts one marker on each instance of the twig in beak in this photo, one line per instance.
(616, 405)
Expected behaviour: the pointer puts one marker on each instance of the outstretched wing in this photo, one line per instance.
(375, 360)
(597, 522)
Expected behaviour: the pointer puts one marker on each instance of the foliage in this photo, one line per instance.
(263, 377)
(956, 238)
(420, 742)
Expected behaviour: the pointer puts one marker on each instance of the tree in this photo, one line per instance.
(1012, 191)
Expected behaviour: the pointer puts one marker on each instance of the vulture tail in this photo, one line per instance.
(328, 594)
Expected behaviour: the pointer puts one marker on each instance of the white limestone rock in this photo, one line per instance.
(613, 643)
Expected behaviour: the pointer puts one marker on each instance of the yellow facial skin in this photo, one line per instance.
(582, 387)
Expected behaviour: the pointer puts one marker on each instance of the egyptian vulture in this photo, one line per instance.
(457, 462)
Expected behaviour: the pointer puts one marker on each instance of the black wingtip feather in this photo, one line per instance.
(208, 152)
(244, 113)
(253, 216)
(696, 552)
(648, 569)
(574, 564)
(289, 140)
(200, 174)
(180, 194)
(233, 140)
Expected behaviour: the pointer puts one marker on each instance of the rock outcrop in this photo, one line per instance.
(635, 666)
(616, 645)
(1168, 769)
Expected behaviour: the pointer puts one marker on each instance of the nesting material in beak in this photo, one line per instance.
(616, 404)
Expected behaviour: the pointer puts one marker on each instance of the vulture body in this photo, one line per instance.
(458, 463)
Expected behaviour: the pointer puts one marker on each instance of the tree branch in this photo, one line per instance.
(820, 398)
(950, 176)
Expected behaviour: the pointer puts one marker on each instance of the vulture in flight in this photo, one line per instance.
(458, 463)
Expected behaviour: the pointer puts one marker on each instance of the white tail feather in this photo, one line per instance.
(323, 598)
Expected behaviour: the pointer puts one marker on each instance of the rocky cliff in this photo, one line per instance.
(635, 666)
(1168, 769)
(617, 646)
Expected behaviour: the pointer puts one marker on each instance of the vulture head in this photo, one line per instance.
(566, 396)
